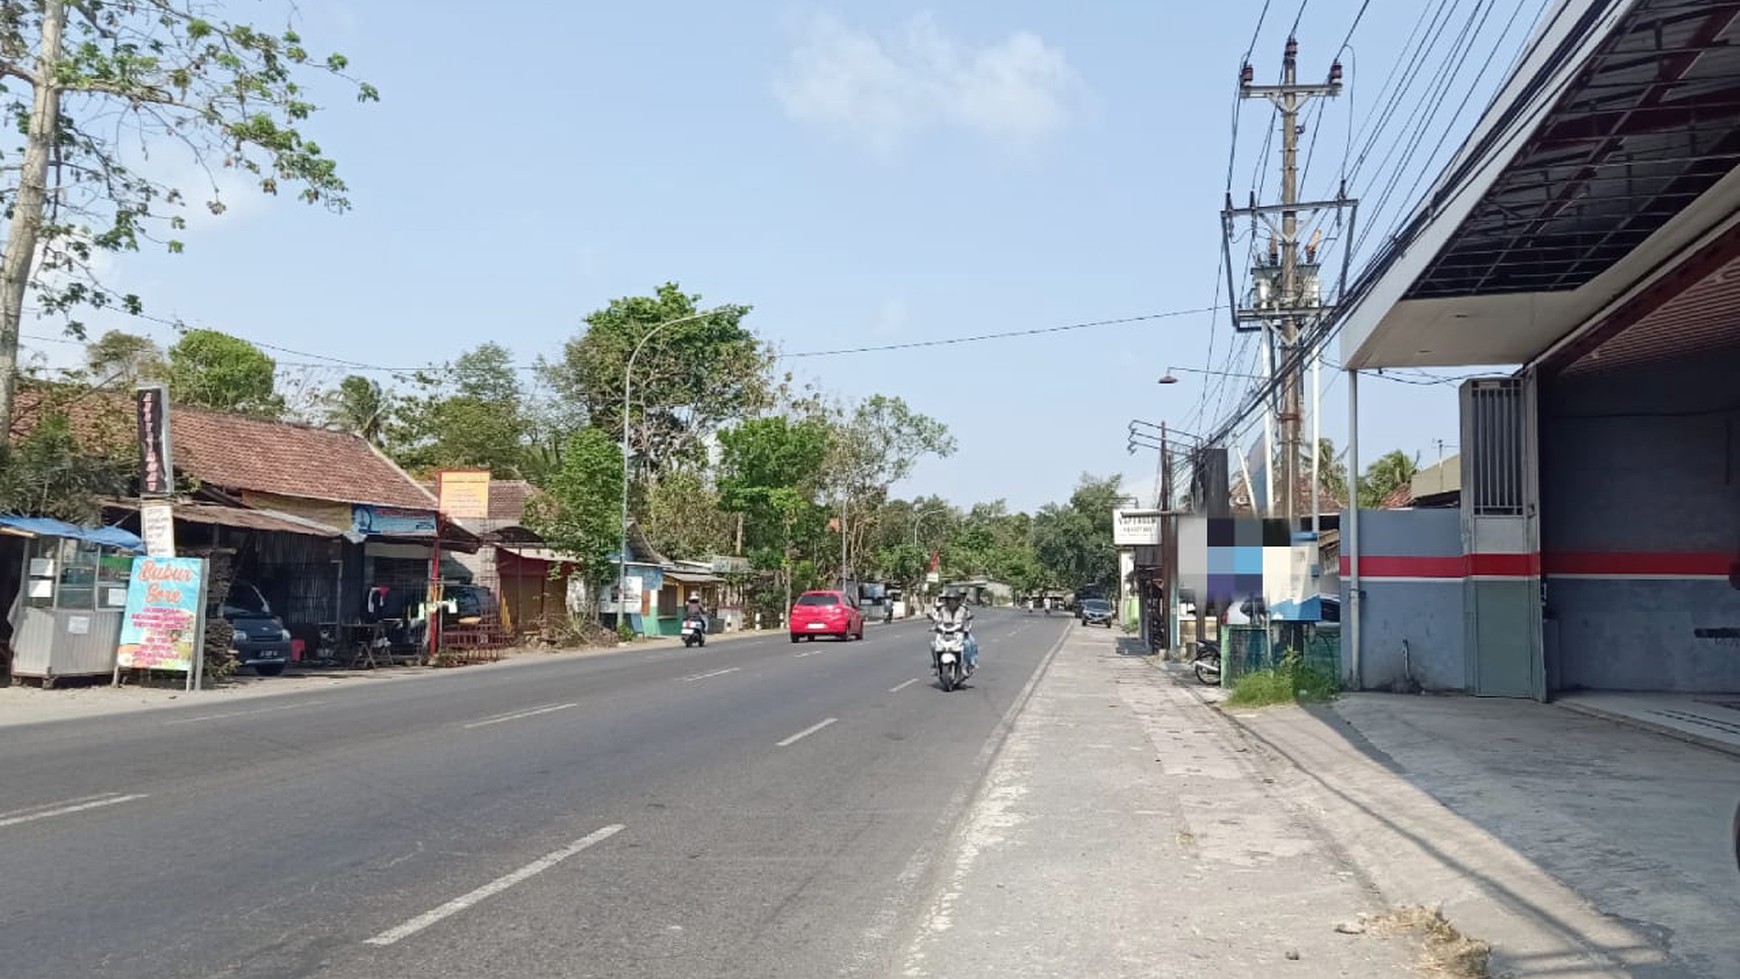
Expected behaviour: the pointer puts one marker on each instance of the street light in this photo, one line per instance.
(627, 394)
(1167, 378)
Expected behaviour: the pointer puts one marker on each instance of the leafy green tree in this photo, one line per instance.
(1391, 471)
(684, 519)
(92, 85)
(770, 471)
(879, 442)
(215, 370)
(690, 378)
(124, 359)
(580, 511)
(49, 473)
(470, 415)
(1073, 542)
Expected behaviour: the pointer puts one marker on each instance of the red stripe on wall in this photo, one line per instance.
(1378, 566)
(1641, 564)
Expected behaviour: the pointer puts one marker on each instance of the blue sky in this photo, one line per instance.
(862, 173)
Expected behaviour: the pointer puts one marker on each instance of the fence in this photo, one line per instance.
(1250, 649)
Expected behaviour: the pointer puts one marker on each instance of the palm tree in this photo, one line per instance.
(359, 406)
(1391, 471)
(1331, 470)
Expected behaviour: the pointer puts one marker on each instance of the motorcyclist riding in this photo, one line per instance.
(693, 610)
(951, 612)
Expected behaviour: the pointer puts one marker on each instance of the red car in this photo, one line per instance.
(825, 613)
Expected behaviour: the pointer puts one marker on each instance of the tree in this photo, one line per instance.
(360, 406)
(471, 416)
(124, 358)
(879, 442)
(1390, 472)
(215, 370)
(1332, 470)
(688, 380)
(48, 473)
(124, 77)
(683, 517)
(1073, 542)
(769, 471)
(579, 512)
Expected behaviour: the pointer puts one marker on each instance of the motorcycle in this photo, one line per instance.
(694, 632)
(1208, 662)
(948, 653)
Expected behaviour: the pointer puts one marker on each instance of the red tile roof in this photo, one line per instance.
(236, 452)
(287, 459)
(508, 499)
(1400, 498)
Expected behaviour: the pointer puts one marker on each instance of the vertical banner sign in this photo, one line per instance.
(156, 470)
(163, 627)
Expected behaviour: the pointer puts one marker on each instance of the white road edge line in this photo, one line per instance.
(706, 676)
(806, 732)
(519, 715)
(67, 809)
(492, 888)
(903, 686)
(943, 835)
(244, 713)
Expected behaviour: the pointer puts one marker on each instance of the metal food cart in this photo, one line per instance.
(72, 593)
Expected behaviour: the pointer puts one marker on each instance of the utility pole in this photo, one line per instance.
(1286, 293)
(1290, 401)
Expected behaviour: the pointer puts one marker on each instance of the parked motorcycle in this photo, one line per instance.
(948, 653)
(1208, 662)
(694, 632)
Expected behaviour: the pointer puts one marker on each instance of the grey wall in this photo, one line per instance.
(1427, 614)
(1643, 460)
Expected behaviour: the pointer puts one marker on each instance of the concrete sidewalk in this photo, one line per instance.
(1576, 845)
(1125, 830)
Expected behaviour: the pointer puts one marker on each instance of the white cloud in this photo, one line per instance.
(882, 91)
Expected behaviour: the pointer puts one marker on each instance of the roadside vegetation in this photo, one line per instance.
(1292, 682)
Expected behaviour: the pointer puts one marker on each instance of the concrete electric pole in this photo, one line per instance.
(1286, 293)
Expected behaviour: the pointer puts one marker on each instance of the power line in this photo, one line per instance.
(1008, 334)
(830, 352)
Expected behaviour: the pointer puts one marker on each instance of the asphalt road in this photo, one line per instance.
(754, 809)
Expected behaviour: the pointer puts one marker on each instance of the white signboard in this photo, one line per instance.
(729, 564)
(634, 592)
(1136, 528)
(157, 527)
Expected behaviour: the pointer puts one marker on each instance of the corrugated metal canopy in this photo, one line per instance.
(1650, 125)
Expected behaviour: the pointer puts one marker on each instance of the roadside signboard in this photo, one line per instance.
(163, 625)
(463, 493)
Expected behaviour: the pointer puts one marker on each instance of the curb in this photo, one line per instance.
(1639, 724)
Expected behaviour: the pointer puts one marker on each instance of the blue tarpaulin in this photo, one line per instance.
(49, 527)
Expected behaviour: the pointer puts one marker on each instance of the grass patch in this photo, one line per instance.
(1445, 952)
(1291, 682)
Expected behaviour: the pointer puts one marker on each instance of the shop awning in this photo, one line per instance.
(537, 552)
(693, 577)
(49, 527)
(240, 518)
